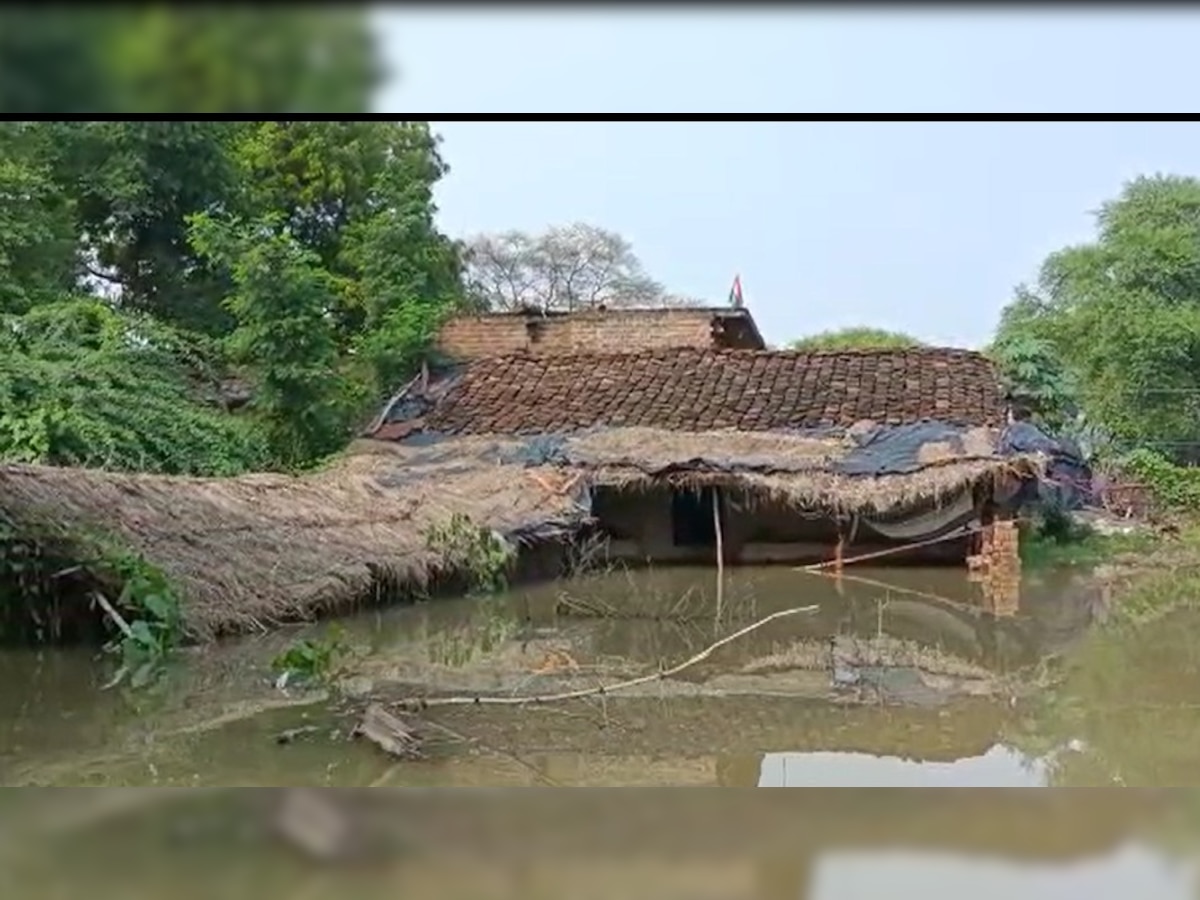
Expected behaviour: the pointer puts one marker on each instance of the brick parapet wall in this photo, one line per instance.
(475, 337)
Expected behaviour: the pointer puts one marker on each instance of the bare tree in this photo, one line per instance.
(565, 268)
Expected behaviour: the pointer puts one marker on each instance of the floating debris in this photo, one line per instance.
(388, 732)
(288, 735)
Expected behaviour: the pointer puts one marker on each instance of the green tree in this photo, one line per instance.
(281, 302)
(133, 185)
(38, 261)
(313, 268)
(406, 277)
(183, 59)
(1123, 314)
(360, 196)
(861, 338)
(1033, 373)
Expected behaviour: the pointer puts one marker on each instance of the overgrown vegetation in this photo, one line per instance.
(478, 555)
(50, 593)
(312, 660)
(157, 628)
(1052, 546)
(143, 264)
(1170, 485)
(83, 385)
(145, 267)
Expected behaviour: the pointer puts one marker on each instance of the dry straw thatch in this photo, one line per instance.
(794, 469)
(257, 550)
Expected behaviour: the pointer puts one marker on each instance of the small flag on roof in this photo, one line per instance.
(735, 292)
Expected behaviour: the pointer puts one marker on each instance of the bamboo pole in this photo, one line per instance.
(116, 617)
(716, 506)
(602, 689)
(840, 551)
(889, 551)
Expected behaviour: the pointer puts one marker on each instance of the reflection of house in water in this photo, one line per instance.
(676, 430)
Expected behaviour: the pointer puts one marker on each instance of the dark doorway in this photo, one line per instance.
(692, 518)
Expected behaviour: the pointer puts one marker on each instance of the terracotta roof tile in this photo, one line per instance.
(690, 389)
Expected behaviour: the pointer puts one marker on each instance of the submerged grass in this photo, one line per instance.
(1159, 581)
(1080, 549)
(1140, 576)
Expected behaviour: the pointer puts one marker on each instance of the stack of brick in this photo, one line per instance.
(1000, 574)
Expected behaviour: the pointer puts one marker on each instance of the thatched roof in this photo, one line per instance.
(259, 549)
(800, 470)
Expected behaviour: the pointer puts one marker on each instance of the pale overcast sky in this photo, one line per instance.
(921, 227)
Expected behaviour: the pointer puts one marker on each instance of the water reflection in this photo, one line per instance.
(1132, 695)
(670, 613)
(1131, 871)
(1128, 696)
(1000, 766)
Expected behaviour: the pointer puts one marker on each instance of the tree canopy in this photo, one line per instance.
(569, 267)
(302, 257)
(186, 59)
(858, 338)
(1119, 317)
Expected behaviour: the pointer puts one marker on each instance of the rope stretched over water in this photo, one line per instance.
(953, 536)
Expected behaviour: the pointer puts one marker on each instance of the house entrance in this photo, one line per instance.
(692, 518)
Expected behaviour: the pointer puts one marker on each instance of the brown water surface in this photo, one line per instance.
(942, 696)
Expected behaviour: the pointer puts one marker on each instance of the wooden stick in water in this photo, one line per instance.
(716, 506)
(886, 552)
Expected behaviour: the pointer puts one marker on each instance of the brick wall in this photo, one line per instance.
(472, 337)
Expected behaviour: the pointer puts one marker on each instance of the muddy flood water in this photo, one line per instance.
(899, 677)
(896, 678)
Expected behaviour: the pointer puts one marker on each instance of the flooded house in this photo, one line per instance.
(670, 435)
(681, 436)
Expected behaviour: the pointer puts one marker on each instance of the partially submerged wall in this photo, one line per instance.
(641, 526)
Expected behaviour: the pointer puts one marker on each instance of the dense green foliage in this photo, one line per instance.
(1120, 318)
(1034, 375)
(1110, 336)
(142, 263)
(146, 267)
(863, 338)
(83, 385)
(1170, 485)
(181, 59)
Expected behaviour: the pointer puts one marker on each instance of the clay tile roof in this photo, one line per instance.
(690, 389)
